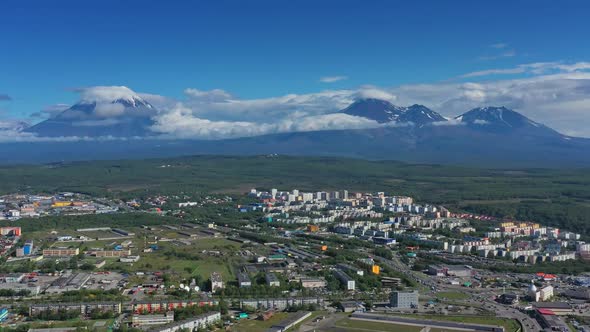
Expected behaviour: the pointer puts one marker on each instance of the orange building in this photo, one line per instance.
(313, 228)
(376, 269)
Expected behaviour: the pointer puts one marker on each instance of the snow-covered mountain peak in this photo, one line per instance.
(112, 94)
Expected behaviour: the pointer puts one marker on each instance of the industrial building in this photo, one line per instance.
(11, 278)
(450, 270)
(291, 321)
(404, 299)
(390, 282)
(61, 252)
(345, 279)
(82, 308)
(351, 269)
(281, 303)
(216, 281)
(312, 283)
(244, 280)
(10, 231)
(157, 319)
(162, 306)
(191, 324)
(109, 253)
(272, 280)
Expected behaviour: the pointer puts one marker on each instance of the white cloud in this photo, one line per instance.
(332, 79)
(50, 111)
(265, 109)
(107, 104)
(449, 122)
(561, 101)
(106, 93)
(376, 93)
(554, 93)
(215, 95)
(12, 125)
(499, 45)
(158, 101)
(181, 122)
(108, 110)
(19, 137)
(505, 54)
(94, 123)
(537, 68)
(488, 72)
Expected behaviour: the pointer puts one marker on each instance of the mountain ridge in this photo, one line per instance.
(483, 136)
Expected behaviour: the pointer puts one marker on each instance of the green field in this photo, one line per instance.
(452, 295)
(255, 325)
(185, 267)
(102, 326)
(360, 325)
(553, 197)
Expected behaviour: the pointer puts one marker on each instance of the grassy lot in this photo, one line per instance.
(84, 324)
(254, 325)
(183, 267)
(452, 295)
(360, 325)
(215, 243)
(509, 324)
(99, 234)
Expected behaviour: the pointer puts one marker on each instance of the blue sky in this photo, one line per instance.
(261, 49)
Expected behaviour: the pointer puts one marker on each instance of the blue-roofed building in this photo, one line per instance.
(3, 314)
(383, 241)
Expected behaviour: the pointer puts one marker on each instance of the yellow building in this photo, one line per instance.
(376, 269)
(60, 204)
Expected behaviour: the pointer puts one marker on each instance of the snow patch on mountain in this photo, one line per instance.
(111, 94)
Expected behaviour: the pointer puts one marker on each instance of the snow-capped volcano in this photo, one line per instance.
(384, 112)
(420, 115)
(505, 136)
(112, 94)
(101, 111)
(502, 119)
(375, 109)
(13, 126)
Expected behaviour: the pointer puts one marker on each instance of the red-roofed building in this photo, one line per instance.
(546, 312)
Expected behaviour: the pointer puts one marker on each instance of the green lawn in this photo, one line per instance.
(452, 295)
(255, 325)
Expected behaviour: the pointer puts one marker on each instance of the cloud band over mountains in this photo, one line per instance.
(556, 94)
